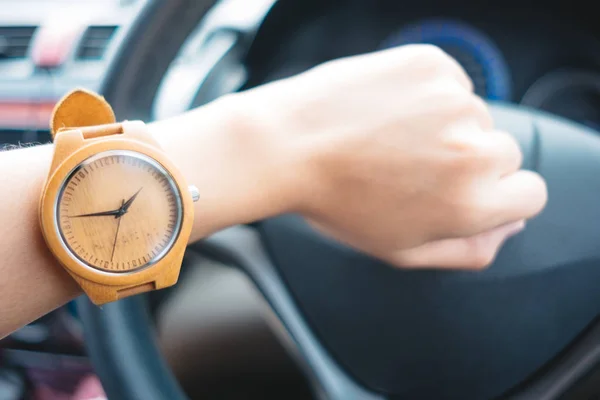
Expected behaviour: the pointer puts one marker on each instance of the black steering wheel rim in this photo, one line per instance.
(121, 331)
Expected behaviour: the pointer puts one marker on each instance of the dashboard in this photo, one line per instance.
(41, 57)
(545, 55)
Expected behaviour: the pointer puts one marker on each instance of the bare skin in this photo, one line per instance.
(390, 153)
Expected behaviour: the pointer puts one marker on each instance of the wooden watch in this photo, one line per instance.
(114, 211)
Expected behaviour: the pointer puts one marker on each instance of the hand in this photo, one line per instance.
(119, 212)
(126, 204)
(114, 213)
(401, 159)
(112, 254)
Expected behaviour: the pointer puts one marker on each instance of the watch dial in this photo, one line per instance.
(119, 211)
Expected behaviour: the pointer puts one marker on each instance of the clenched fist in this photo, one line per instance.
(401, 158)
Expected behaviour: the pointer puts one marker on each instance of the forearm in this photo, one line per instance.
(240, 174)
(31, 282)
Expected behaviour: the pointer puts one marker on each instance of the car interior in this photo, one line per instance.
(274, 310)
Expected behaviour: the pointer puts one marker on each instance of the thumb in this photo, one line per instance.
(475, 252)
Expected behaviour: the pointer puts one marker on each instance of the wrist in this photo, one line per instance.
(297, 158)
(279, 160)
(240, 158)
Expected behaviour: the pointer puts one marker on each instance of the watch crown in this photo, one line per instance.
(194, 192)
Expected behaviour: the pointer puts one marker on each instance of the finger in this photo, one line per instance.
(501, 151)
(521, 195)
(475, 252)
(496, 149)
(507, 151)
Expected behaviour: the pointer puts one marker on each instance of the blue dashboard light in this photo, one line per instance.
(477, 53)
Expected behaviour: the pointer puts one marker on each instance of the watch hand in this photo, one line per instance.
(125, 206)
(98, 214)
(117, 233)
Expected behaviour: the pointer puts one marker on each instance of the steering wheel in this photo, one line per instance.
(524, 328)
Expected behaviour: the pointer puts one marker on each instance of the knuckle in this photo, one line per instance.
(467, 155)
(483, 151)
(479, 105)
(511, 150)
(479, 150)
(429, 52)
(449, 95)
(466, 79)
(479, 108)
(430, 58)
(473, 107)
(433, 60)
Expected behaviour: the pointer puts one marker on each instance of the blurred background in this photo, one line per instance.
(46, 48)
(214, 325)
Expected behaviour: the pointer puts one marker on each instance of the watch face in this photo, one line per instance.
(119, 211)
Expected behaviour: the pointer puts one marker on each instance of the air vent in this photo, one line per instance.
(15, 41)
(94, 42)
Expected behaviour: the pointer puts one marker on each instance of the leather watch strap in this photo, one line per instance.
(92, 132)
(89, 114)
(137, 289)
(85, 111)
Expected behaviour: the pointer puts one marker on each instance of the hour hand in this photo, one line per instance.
(128, 203)
(98, 214)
